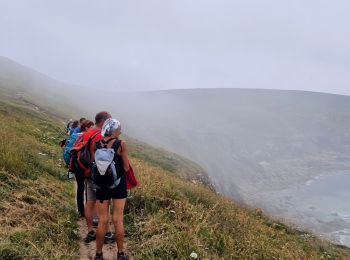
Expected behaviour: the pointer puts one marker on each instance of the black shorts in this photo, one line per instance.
(119, 192)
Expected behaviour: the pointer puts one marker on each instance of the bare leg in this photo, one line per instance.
(103, 213)
(95, 213)
(89, 211)
(118, 220)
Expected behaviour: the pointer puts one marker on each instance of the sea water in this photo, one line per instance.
(321, 204)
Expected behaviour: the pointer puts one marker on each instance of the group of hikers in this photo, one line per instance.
(98, 158)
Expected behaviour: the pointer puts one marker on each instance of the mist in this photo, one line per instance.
(246, 75)
(287, 152)
(273, 149)
(154, 45)
(269, 138)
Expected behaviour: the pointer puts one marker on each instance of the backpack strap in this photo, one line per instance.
(116, 145)
(104, 144)
(107, 142)
(91, 138)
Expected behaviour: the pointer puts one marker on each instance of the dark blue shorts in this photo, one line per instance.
(120, 192)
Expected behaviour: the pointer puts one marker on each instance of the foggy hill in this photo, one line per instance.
(260, 147)
(285, 151)
(33, 86)
(249, 141)
(165, 218)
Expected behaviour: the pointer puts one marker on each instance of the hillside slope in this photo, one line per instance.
(269, 138)
(35, 87)
(37, 211)
(166, 218)
(266, 148)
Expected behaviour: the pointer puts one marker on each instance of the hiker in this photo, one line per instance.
(69, 144)
(109, 176)
(68, 147)
(78, 172)
(69, 124)
(85, 126)
(74, 125)
(90, 137)
(78, 129)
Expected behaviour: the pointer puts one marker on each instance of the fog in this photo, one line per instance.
(257, 139)
(287, 152)
(247, 136)
(161, 44)
(272, 149)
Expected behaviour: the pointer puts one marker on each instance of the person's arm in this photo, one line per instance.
(124, 154)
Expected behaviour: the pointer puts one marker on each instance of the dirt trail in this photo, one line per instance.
(87, 251)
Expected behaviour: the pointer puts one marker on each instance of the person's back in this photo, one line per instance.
(91, 132)
(115, 191)
(109, 161)
(78, 172)
(90, 137)
(74, 125)
(81, 122)
(69, 146)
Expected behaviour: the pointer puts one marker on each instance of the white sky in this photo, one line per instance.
(161, 44)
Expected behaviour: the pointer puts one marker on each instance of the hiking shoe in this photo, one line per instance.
(99, 257)
(95, 222)
(91, 236)
(109, 238)
(122, 256)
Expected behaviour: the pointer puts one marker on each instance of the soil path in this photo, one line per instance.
(87, 251)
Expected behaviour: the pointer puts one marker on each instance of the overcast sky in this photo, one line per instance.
(161, 44)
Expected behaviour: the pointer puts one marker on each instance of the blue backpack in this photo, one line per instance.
(69, 146)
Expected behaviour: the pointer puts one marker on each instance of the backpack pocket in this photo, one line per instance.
(103, 171)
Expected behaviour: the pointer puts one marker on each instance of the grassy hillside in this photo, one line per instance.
(24, 82)
(37, 211)
(171, 162)
(169, 218)
(166, 218)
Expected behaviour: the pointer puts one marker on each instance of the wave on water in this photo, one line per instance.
(343, 236)
(309, 182)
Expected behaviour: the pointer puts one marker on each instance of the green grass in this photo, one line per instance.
(167, 217)
(171, 162)
(37, 211)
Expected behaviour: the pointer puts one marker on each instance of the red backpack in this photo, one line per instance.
(81, 157)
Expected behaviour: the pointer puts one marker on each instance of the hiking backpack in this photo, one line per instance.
(84, 156)
(104, 172)
(68, 147)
